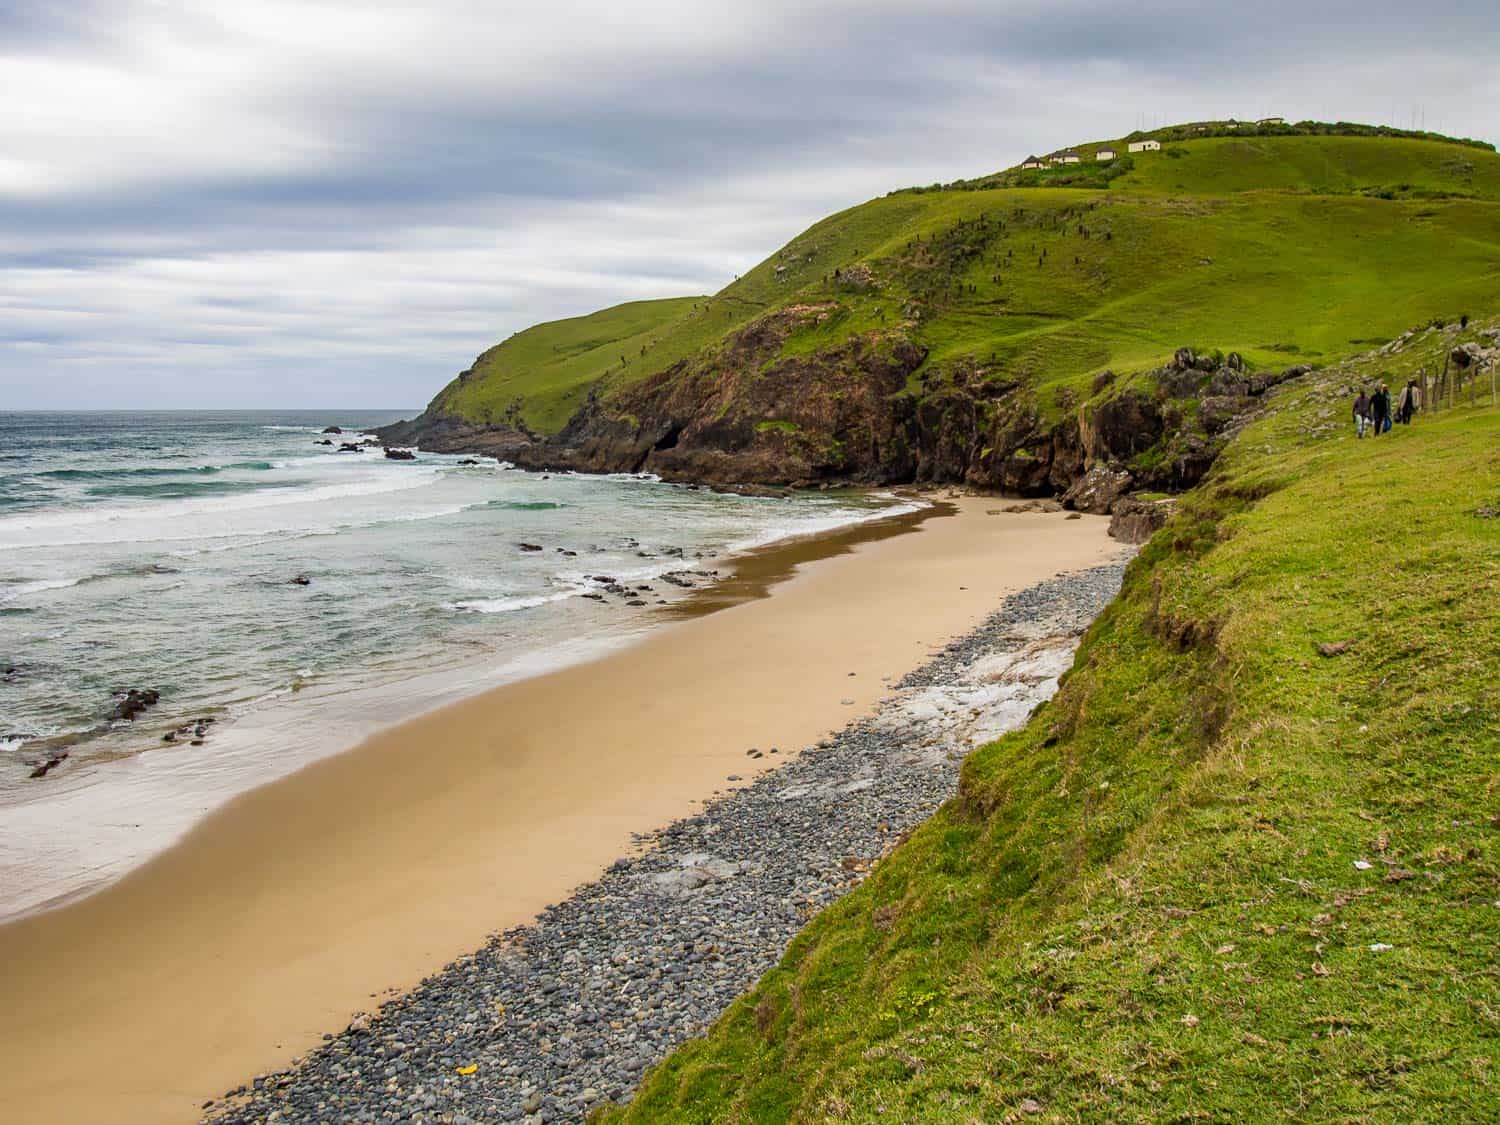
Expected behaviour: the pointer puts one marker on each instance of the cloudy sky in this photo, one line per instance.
(274, 204)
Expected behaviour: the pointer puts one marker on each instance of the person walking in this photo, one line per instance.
(1380, 409)
(1361, 413)
(1409, 402)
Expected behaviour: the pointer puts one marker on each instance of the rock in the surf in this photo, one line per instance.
(132, 702)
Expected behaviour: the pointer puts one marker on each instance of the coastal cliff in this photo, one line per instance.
(845, 416)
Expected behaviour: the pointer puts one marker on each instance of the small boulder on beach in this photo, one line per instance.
(42, 769)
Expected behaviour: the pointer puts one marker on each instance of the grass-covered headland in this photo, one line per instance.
(957, 333)
(1242, 867)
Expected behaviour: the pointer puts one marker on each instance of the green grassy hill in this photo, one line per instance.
(1222, 876)
(549, 367)
(1282, 247)
(1371, 166)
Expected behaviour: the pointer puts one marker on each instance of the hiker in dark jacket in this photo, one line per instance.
(1380, 409)
(1361, 413)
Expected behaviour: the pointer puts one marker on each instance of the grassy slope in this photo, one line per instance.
(550, 366)
(1264, 245)
(1322, 165)
(1146, 905)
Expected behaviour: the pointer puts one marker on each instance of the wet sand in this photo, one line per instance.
(306, 900)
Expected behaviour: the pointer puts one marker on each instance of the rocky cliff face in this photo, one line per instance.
(856, 413)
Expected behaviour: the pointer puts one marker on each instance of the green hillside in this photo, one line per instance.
(1372, 166)
(1222, 876)
(549, 366)
(1284, 248)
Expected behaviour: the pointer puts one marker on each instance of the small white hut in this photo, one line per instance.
(1032, 162)
(1105, 154)
(1145, 146)
(1068, 156)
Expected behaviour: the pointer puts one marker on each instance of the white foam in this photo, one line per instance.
(173, 520)
(509, 605)
(22, 589)
(8, 745)
(796, 529)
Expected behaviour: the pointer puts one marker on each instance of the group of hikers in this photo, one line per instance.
(1373, 412)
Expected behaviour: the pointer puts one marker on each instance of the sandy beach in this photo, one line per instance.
(309, 899)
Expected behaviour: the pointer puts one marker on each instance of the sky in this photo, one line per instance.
(308, 204)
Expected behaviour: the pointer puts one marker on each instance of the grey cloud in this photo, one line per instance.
(380, 210)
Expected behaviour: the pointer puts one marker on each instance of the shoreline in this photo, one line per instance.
(578, 1004)
(123, 810)
(274, 919)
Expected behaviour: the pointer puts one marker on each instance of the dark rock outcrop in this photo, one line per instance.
(133, 701)
(1134, 521)
(1097, 490)
(748, 413)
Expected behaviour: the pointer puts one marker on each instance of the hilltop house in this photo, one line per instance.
(1105, 154)
(1145, 146)
(1032, 162)
(1066, 157)
(1272, 121)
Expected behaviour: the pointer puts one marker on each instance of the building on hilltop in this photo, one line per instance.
(1032, 162)
(1105, 154)
(1068, 156)
(1272, 121)
(1145, 146)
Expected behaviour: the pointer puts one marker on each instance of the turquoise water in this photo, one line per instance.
(158, 551)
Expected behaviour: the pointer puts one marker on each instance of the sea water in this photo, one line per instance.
(298, 596)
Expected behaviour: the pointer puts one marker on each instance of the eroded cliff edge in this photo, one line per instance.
(858, 414)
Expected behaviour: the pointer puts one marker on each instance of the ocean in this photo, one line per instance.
(282, 600)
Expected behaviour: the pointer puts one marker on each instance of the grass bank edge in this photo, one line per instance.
(1149, 904)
